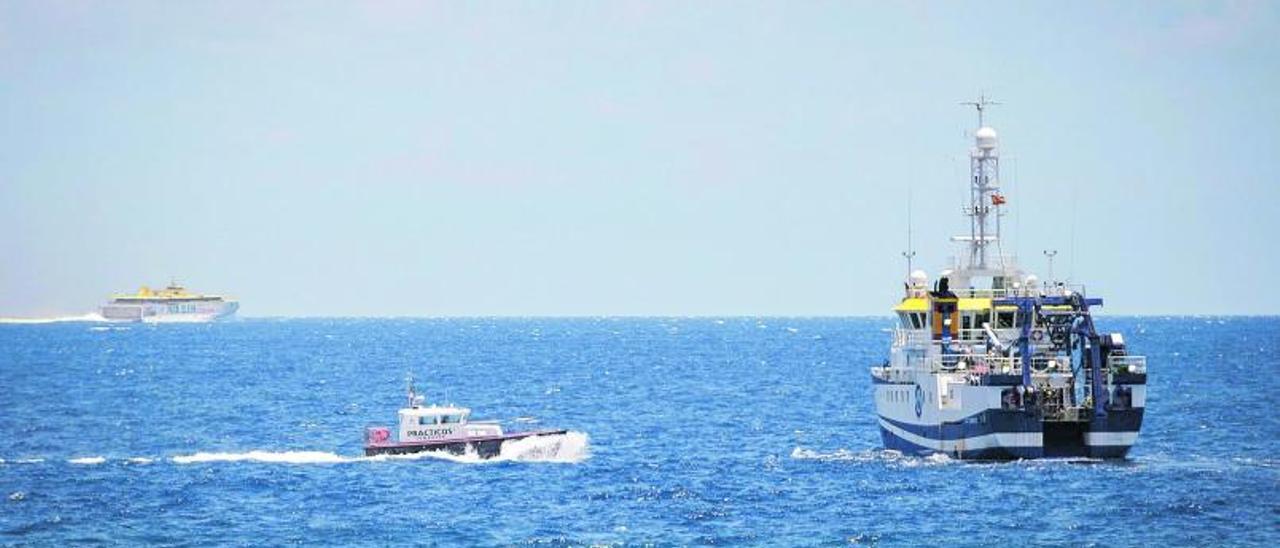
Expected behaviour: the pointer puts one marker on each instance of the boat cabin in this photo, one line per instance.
(436, 422)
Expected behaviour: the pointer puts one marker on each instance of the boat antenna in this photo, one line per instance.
(1071, 257)
(910, 253)
(1050, 253)
(413, 394)
(981, 104)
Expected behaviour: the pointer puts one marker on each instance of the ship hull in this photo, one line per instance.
(1022, 436)
(483, 447)
(170, 312)
(971, 423)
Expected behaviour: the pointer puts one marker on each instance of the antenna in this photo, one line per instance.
(981, 104)
(910, 253)
(1051, 253)
(1071, 258)
(408, 379)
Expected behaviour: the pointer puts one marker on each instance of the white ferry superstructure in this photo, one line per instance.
(990, 363)
(171, 304)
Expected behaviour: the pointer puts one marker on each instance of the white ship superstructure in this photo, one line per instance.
(443, 428)
(987, 362)
(171, 304)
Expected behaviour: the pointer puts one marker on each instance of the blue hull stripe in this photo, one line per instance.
(896, 443)
(1005, 423)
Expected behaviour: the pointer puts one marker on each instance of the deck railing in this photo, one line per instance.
(920, 337)
(981, 364)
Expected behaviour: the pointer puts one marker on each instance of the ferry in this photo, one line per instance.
(444, 428)
(988, 362)
(171, 304)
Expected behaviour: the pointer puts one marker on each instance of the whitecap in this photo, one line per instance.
(88, 460)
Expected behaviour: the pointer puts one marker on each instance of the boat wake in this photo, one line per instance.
(871, 455)
(90, 317)
(275, 457)
(568, 448)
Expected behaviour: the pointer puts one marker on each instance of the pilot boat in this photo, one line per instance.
(444, 428)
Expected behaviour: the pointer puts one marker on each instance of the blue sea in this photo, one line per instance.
(701, 431)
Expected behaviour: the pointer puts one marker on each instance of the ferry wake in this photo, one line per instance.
(988, 362)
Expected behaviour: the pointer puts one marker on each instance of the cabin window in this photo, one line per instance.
(1004, 320)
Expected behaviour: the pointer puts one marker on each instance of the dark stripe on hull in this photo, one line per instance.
(1058, 439)
(485, 448)
(892, 441)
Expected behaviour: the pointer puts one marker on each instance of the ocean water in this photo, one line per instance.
(683, 431)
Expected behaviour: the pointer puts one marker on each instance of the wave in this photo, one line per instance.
(88, 460)
(871, 455)
(570, 447)
(90, 317)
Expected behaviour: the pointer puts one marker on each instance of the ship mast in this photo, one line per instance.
(984, 192)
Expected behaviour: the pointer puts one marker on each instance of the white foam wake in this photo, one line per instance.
(90, 317)
(88, 460)
(871, 455)
(571, 447)
(283, 457)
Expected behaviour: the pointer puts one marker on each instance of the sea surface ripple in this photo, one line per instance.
(683, 431)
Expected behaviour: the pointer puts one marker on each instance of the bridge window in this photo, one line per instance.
(1004, 320)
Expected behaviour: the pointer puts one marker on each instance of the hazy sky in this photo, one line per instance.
(583, 158)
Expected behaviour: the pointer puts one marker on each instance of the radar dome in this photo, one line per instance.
(918, 278)
(1031, 280)
(986, 138)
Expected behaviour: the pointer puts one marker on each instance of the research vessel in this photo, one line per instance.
(171, 304)
(989, 362)
(444, 428)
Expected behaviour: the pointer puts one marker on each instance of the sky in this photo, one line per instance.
(628, 158)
